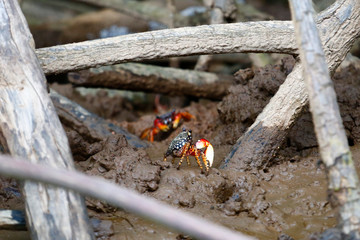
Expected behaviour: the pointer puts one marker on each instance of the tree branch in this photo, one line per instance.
(120, 197)
(271, 36)
(141, 77)
(330, 133)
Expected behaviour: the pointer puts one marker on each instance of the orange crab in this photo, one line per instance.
(164, 123)
(182, 146)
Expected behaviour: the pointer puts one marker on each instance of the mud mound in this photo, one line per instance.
(239, 109)
(347, 87)
(123, 164)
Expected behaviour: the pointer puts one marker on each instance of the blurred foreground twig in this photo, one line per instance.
(118, 196)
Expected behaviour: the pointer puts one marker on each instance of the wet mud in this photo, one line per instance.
(287, 199)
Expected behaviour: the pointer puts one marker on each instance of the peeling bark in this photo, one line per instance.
(32, 130)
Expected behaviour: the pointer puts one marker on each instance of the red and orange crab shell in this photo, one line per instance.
(164, 123)
(182, 147)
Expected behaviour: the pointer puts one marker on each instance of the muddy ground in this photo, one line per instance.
(288, 197)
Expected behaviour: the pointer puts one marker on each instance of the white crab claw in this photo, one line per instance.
(209, 150)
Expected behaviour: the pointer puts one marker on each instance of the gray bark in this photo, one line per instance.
(330, 133)
(339, 26)
(271, 37)
(141, 77)
(121, 197)
(32, 130)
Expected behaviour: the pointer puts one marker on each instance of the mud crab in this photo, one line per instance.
(164, 123)
(182, 146)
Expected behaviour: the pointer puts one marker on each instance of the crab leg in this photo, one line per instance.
(183, 154)
(182, 115)
(206, 163)
(197, 157)
(188, 160)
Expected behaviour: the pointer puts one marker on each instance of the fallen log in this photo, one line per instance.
(120, 197)
(32, 130)
(141, 77)
(270, 37)
(87, 124)
(258, 145)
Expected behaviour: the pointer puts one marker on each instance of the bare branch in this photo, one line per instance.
(118, 196)
(334, 149)
(271, 36)
(141, 77)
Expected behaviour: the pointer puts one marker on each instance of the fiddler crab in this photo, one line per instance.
(164, 123)
(182, 146)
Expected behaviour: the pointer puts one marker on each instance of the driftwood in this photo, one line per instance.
(330, 133)
(118, 196)
(271, 37)
(338, 26)
(32, 130)
(87, 124)
(140, 77)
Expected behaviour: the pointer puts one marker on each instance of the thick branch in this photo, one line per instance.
(334, 149)
(271, 36)
(32, 130)
(140, 77)
(119, 196)
(339, 26)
